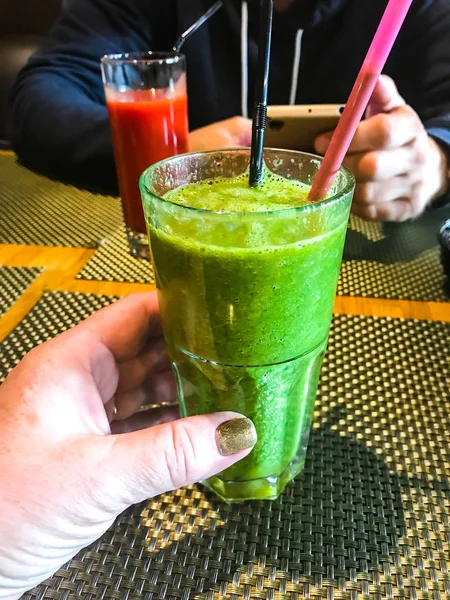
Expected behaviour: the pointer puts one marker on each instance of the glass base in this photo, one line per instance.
(138, 244)
(266, 488)
(278, 398)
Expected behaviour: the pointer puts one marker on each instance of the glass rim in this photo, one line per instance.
(149, 57)
(313, 206)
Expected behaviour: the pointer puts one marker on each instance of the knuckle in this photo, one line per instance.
(385, 214)
(386, 132)
(238, 121)
(410, 120)
(421, 154)
(414, 121)
(368, 213)
(363, 193)
(370, 166)
(180, 455)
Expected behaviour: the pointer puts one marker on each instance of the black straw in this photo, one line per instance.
(260, 106)
(193, 28)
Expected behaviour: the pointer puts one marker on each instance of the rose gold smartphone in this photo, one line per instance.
(296, 127)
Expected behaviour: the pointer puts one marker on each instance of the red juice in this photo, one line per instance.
(146, 127)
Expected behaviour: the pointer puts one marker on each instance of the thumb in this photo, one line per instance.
(385, 97)
(149, 462)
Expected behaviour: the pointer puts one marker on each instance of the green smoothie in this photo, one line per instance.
(246, 280)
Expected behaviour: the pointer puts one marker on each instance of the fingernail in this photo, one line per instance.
(235, 435)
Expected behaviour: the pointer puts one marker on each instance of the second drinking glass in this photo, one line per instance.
(147, 102)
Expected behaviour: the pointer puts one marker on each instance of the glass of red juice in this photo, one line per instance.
(146, 97)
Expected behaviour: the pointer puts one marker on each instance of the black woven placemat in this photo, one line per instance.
(37, 210)
(421, 279)
(397, 261)
(13, 282)
(368, 518)
(113, 262)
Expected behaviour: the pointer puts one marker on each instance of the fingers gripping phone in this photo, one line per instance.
(296, 127)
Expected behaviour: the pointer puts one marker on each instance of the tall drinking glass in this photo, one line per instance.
(246, 300)
(147, 104)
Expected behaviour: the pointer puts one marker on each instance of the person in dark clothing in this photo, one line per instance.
(399, 153)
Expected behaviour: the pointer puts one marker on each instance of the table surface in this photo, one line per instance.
(57, 270)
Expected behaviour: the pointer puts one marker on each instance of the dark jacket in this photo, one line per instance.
(60, 123)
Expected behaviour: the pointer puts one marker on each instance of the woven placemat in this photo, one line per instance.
(368, 518)
(13, 282)
(113, 262)
(397, 261)
(421, 279)
(37, 210)
(54, 313)
(369, 229)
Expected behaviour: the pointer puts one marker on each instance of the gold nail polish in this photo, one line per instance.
(235, 435)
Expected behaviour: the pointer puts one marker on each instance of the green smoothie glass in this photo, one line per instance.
(246, 300)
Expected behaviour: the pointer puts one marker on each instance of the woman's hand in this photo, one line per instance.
(75, 451)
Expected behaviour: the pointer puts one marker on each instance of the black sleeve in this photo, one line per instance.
(60, 120)
(426, 60)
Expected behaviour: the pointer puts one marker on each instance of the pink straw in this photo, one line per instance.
(373, 64)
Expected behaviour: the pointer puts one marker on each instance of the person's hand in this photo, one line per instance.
(399, 169)
(232, 133)
(65, 472)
